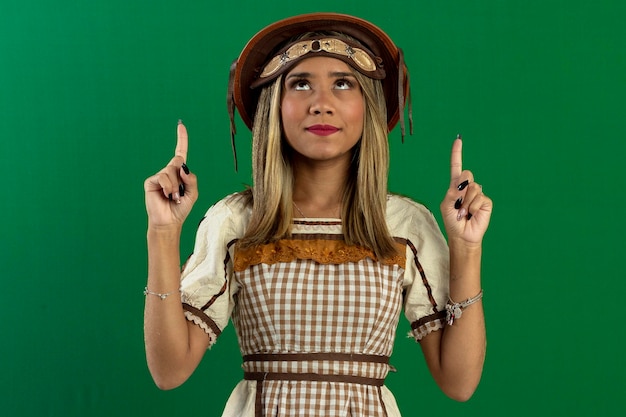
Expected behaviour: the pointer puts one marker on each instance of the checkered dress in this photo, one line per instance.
(315, 318)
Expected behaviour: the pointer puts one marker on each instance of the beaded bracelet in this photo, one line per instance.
(163, 296)
(455, 310)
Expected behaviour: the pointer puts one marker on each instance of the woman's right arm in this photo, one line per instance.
(174, 346)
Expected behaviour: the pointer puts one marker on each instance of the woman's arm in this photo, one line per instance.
(174, 346)
(455, 355)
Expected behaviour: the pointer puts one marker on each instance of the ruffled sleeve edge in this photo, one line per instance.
(199, 318)
(426, 325)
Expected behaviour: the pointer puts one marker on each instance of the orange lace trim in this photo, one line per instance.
(323, 251)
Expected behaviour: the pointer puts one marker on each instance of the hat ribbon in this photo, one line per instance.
(361, 58)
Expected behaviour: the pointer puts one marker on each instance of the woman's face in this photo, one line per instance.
(322, 109)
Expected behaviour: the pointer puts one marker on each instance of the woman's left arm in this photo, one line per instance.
(455, 355)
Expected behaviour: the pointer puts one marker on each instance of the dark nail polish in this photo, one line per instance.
(462, 185)
(169, 196)
(458, 136)
(457, 203)
(181, 189)
(469, 216)
(185, 168)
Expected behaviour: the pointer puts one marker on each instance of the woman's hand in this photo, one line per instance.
(171, 193)
(465, 209)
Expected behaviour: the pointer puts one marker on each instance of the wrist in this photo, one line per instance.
(163, 238)
(463, 248)
(465, 266)
(164, 232)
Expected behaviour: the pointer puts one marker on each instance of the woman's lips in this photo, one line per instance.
(322, 130)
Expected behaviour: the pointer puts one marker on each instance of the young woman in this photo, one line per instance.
(315, 262)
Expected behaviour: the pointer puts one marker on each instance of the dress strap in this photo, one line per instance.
(321, 356)
(283, 376)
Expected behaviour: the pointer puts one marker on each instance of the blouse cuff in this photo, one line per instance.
(422, 327)
(198, 317)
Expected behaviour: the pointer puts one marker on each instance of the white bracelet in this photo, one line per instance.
(163, 296)
(455, 310)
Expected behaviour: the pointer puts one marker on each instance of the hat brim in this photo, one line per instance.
(269, 40)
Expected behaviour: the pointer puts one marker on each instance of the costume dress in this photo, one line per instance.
(315, 318)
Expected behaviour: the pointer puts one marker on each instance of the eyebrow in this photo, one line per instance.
(336, 74)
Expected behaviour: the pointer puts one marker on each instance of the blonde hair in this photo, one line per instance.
(365, 192)
(271, 195)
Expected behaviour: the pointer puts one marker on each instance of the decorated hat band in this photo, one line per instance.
(362, 60)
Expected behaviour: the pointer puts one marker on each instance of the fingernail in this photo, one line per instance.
(169, 196)
(185, 168)
(181, 189)
(469, 216)
(180, 121)
(462, 185)
(461, 213)
(458, 136)
(457, 203)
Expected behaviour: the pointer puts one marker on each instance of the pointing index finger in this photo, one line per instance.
(182, 142)
(456, 159)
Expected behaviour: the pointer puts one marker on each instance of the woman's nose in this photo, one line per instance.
(322, 102)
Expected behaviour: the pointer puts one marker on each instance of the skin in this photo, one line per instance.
(175, 346)
(455, 356)
(321, 91)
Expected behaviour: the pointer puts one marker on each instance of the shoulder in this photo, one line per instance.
(406, 217)
(231, 212)
(236, 204)
(399, 206)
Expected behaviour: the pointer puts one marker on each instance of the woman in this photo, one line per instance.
(315, 262)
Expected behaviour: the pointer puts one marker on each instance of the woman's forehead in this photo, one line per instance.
(320, 65)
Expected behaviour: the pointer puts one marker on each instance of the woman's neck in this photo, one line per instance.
(318, 191)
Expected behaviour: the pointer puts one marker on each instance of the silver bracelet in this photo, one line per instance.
(163, 296)
(454, 310)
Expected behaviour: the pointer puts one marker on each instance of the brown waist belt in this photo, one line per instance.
(284, 376)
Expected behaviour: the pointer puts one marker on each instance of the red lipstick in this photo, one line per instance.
(322, 130)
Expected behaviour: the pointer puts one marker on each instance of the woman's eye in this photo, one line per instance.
(301, 85)
(343, 85)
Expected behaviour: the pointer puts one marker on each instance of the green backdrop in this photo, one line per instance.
(90, 92)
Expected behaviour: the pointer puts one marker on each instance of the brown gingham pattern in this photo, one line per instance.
(317, 399)
(212, 286)
(304, 306)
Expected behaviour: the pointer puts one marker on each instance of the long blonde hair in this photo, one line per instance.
(365, 192)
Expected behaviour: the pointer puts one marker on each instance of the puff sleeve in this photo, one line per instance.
(427, 269)
(207, 284)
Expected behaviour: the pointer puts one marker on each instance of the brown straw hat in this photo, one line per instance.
(273, 50)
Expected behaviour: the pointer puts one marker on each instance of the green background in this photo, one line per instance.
(90, 92)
